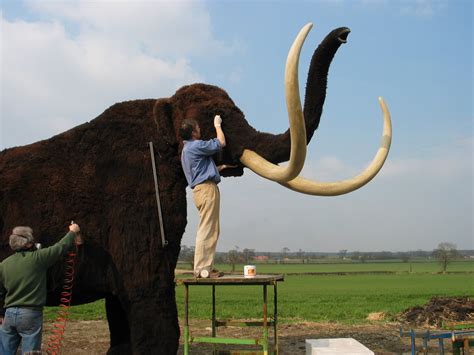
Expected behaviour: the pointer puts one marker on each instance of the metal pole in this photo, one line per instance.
(164, 242)
(214, 316)
(426, 337)
(213, 310)
(441, 346)
(186, 320)
(265, 321)
(413, 346)
(275, 313)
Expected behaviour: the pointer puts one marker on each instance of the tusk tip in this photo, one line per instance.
(306, 28)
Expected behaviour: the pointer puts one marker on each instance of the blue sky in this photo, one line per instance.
(65, 62)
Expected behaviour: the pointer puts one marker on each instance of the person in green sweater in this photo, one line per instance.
(23, 288)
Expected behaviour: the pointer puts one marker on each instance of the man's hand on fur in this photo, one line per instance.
(74, 228)
(217, 121)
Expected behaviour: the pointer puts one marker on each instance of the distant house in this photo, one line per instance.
(260, 258)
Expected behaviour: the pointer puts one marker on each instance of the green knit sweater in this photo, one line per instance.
(23, 274)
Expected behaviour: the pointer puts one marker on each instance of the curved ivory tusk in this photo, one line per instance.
(342, 187)
(263, 167)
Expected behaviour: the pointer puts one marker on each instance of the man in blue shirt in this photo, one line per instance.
(203, 176)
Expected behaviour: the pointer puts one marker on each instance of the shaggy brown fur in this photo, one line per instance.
(99, 174)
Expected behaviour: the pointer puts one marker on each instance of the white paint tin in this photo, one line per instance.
(250, 271)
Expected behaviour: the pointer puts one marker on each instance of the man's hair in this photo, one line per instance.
(187, 128)
(21, 236)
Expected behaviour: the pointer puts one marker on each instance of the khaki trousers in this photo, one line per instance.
(207, 200)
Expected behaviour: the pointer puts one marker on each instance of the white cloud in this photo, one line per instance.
(418, 8)
(79, 57)
(327, 168)
(451, 160)
(171, 28)
(446, 162)
(422, 8)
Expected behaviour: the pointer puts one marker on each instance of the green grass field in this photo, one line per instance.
(345, 298)
(385, 266)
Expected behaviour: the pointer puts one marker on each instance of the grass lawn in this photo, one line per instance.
(343, 298)
(414, 267)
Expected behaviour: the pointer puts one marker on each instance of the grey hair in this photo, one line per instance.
(21, 236)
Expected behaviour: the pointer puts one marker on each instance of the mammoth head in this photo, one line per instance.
(261, 152)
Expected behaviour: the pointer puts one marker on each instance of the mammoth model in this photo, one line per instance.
(100, 175)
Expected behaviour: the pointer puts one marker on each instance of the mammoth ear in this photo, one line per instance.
(163, 116)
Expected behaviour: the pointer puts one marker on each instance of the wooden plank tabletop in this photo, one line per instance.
(232, 279)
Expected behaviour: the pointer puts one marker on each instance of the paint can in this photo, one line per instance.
(250, 271)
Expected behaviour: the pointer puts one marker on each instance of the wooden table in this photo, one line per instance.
(234, 280)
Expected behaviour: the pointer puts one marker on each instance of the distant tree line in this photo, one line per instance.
(445, 253)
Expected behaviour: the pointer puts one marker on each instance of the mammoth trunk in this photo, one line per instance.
(316, 83)
(276, 148)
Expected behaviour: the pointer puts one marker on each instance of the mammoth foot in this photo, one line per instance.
(154, 325)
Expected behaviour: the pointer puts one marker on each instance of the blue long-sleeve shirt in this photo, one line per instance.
(197, 162)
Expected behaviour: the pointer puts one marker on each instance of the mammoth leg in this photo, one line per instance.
(154, 326)
(153, 315)
(153, 330)
(118, 326)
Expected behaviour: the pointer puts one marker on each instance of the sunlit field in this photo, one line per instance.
(334, 267)
(342, 298)
(348, 295)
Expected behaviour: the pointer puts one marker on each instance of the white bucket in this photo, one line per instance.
(250, 271)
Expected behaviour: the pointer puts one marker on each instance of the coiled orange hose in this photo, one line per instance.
(59, 325)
